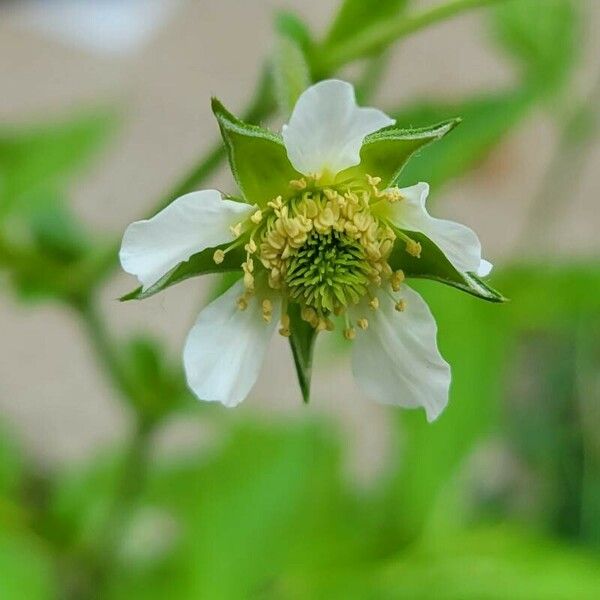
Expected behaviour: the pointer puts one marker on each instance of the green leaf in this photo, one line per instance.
(357, 15)
(485, 123)
(302, 341)
(492, 563)
(385, 152)
(293, 27)
(257, 157)
(38, 157)
(291, 73)
(434, 265)
(25, 568)
(201, 263)
(543, 36)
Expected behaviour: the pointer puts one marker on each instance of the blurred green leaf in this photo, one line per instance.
(485, 123)
(264, 516)
(293, 27)
(291, 73)
(543, 36)
(355, 15)
(40, 157)
(492, 564)
(157, 387)
(10, 465)
(25, 568)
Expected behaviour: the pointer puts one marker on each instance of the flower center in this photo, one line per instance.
(323, 248)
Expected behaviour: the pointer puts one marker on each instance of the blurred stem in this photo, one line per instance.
(378, 36)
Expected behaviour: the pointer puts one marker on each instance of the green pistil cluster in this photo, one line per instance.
(328, 273)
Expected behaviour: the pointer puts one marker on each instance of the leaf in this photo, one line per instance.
(201, 263)
(434, 265)
(302, 341)
(25, 568)
(293, 27)
(291, 73)
(385, 152)
(492, 563)
(35, 158)
(543, 36)
(257, 157)
(485, 122)
(356, 15)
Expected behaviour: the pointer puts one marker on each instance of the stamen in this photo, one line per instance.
(396, 280)
(350, 333)
(242, 303)
(400, 306)
(374, 303)
(219, 256)
(267, 310)
(256, 218)
(236, 230)
(298, 184)
(363, 324)
(285, 326)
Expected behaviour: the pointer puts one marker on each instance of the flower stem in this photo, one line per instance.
(378, 36)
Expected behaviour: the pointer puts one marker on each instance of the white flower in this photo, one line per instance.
(324, 244)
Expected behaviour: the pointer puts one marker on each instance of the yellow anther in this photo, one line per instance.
(400, 306)
(242, 303)
(363, 324)
(350, 333)
(248, 266)
(285, 326)
(267, 306)
(298, 184)
(219, 256)
(249, 281)
(329, 325)
(374, 303)
(374, 181)
(256, 218)
(276, 203)
(236, 229)
(250, 247)
(393, 194)
(413, 248)
(396, 280)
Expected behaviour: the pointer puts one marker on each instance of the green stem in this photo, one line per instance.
(380, 35)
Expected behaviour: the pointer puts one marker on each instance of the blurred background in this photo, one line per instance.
(115, 483)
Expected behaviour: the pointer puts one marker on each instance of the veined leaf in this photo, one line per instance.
(302, 341)
(385, 152)
(201, 263)
(257, 157)
(434, 265)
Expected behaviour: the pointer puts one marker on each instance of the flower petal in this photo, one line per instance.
(226, 347)
(458, 242)
(485, 268)
(327, 128)
(194, 222)
(396, 360)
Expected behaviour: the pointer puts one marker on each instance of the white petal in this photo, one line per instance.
(485, 268)
(396, 360)
(327, 128)
(458, 242)
(226, 347)
(192, 223)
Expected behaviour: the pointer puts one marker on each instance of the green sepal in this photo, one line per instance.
(201, 263)
(257, 157)
(433, 264)
(302, 341)
(291, 73)
(385, 152)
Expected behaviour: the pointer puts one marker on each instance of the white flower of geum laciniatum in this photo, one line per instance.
(324, 241)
